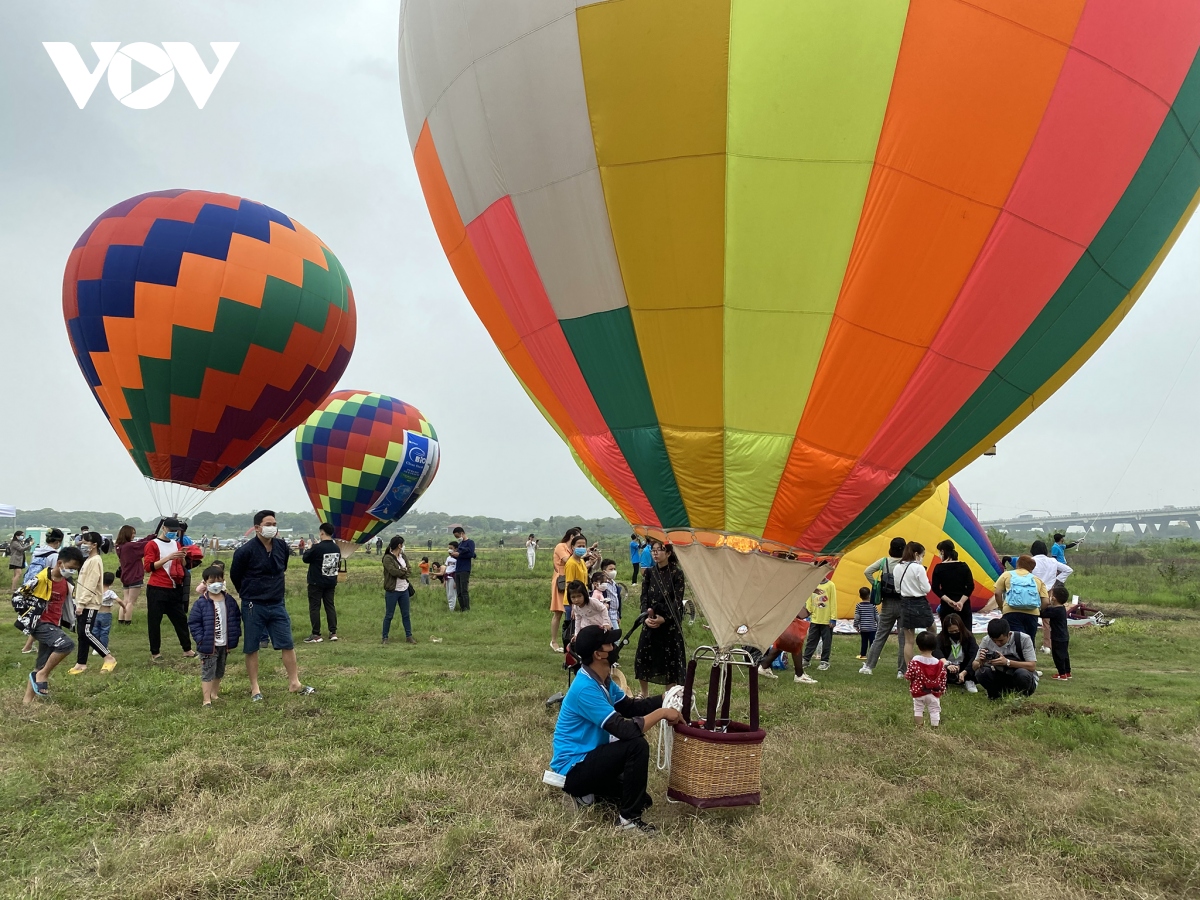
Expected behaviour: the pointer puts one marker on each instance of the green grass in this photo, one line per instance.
(415, 772)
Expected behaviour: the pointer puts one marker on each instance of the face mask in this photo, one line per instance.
(613, 655)
(216, 587)
(68, 573)
(269, 531)
(172, 535)
(610, 574)
(581, 551)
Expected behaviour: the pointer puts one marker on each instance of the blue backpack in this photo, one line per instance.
(1023, 592)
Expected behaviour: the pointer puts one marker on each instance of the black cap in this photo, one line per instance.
(592, 638)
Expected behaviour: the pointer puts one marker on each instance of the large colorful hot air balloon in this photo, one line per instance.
(365, 459)
(779, 268)
(208, 327)
(943, 516)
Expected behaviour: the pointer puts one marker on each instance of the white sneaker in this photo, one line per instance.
(767, 673)
(804, 679)
(972, 688)
(1039, 673)
(1045, 649)
(865, 670)
(823, 666)
(899, 674)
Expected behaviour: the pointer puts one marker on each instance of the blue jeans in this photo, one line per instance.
(103, 627)
(390, 599)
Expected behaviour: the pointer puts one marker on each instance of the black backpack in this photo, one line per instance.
(887, 582)
(29, 610)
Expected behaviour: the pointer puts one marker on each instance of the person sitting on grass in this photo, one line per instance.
(1006, 662)
(926, 680)
(599, 743)
(957, 646)
(53, 587)
(215, 623)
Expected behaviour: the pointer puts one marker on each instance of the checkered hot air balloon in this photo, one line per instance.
(208, 326)
(365, 459)
(779, 268)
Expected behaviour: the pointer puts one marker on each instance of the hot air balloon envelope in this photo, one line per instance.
(365, 459)
(207, 326)
(778, 269)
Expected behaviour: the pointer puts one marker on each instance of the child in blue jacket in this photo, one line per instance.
(216, 626)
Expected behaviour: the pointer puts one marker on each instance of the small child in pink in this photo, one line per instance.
(926, 681)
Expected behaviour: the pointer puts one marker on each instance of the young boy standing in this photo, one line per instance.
(215, 623)
(1060, 632)
(822, 608)
(866, 618)
(52, 586)
(448, 574)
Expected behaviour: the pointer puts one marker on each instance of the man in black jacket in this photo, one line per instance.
(323, 560)
(594, 712)
(257, 574)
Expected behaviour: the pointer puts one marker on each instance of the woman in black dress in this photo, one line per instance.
(661, 656)
(952, 583)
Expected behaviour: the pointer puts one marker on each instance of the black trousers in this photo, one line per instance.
(615, 772)
(999, 681)
(822, 634)
(85, 625)
(866, 638)
(318, 596)
(1061, 656)
(462, 580)
(172, 603)
(636, 567)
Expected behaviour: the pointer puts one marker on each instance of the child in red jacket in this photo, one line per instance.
(926, 681)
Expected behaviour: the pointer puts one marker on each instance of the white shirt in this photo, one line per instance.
(220, 638)
(402, 583)
(911, 580)
(451, 562)
(1048, 570)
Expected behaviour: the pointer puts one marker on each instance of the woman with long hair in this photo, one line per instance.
(89, 600)
(558, 587)
(913, 586)
(132, 573)
(396, 588)
(957, 646)
(661, 654)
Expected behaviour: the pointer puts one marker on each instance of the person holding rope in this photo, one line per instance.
(599, 739)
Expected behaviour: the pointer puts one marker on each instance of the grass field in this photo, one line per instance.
(415, 772)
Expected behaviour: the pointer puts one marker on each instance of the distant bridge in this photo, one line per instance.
(1139, 520)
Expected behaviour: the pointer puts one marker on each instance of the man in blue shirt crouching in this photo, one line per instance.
(599, 742)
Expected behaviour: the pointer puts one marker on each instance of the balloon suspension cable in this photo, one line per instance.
(173, 499)
(1146, 434)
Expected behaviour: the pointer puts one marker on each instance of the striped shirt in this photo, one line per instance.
(865, 613)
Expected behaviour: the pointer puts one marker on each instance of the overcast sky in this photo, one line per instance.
(307, 118)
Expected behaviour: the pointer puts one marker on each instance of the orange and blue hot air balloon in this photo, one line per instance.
(778, 269)
(208, 326)
(365, 459)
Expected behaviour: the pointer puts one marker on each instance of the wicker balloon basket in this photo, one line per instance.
(717, 762)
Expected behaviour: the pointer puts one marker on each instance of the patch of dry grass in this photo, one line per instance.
(415, 772)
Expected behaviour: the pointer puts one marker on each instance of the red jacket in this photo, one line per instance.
(172, 574)
(926, 677)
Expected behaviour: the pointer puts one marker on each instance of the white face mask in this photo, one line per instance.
(269, 531)
(216, 587)
(610, 574)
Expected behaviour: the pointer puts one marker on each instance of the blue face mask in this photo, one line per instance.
(581, 551)
(172, 535)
